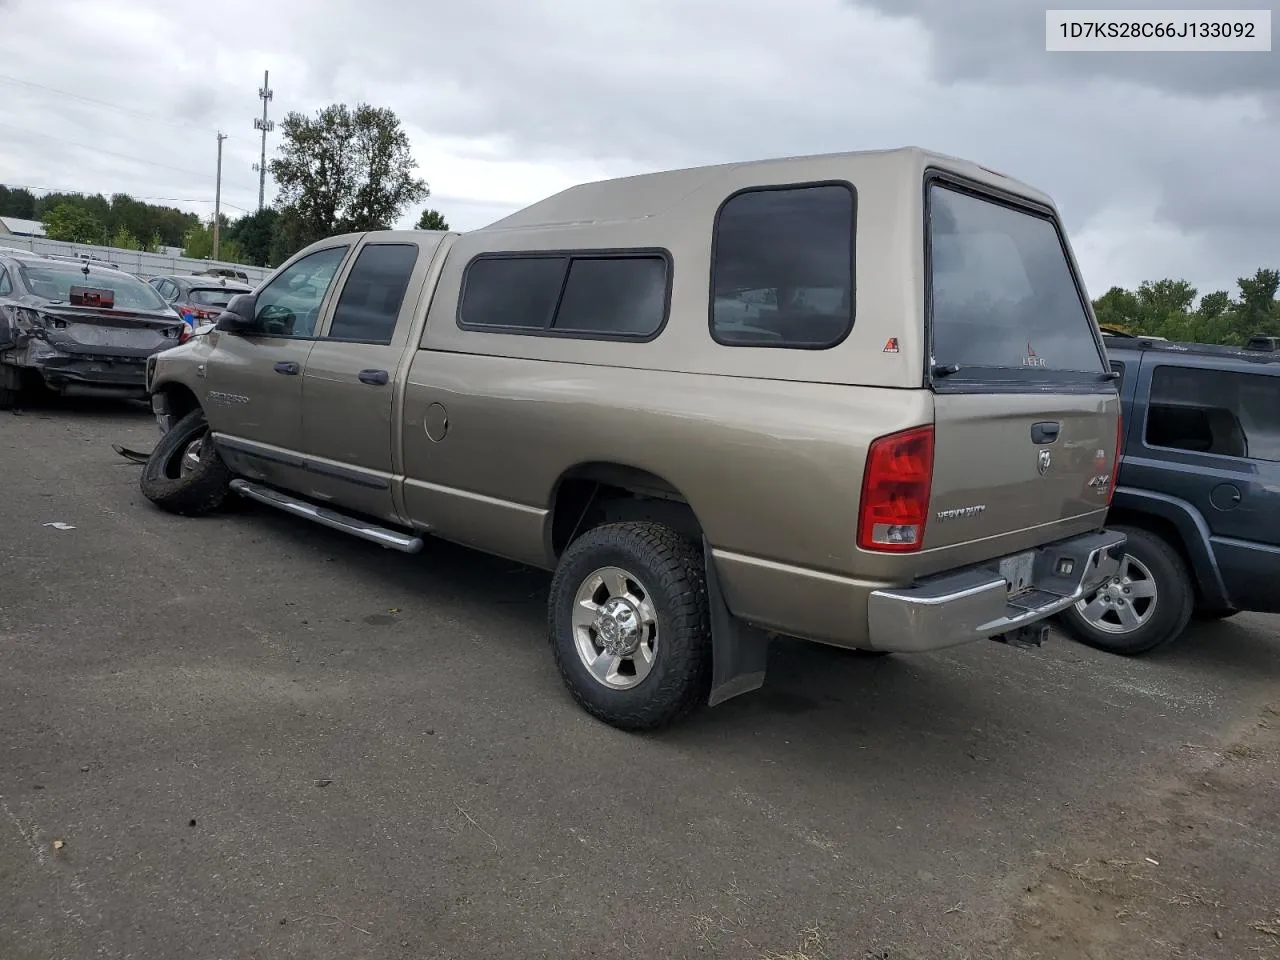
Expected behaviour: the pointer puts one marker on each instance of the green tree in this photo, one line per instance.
(253, 235)
(343, 170)
(73, 224)
(124, 240)
(17, 202)
(156, 243)
(432, 220)
(1118, 309)
(1258, 311)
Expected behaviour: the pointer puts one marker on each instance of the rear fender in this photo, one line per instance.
(1191, 527)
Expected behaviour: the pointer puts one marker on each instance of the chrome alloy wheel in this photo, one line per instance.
(615, 628)
(1125, 602)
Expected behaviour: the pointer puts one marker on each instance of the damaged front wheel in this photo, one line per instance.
(184, 474)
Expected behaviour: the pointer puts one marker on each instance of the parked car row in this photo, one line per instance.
(81, 326)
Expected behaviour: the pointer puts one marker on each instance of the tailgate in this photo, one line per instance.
(1026, 409)
(1004, 463)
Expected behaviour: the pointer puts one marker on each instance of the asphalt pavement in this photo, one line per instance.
(249, 736)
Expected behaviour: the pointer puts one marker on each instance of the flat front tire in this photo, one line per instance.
(629, 626)
(184, 474)
(1147, 604)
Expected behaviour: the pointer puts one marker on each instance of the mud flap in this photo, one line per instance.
(739, 652)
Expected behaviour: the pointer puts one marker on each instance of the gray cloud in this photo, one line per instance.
(1003, 41)
(1160, 163)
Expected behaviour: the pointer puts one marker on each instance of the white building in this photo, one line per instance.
(17, 227)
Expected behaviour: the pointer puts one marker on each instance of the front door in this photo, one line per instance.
(253, 397)
(351, 376)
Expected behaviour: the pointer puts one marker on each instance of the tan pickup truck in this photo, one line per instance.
(857, 398)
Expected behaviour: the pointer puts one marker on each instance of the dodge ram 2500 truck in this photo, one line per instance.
(856, 398)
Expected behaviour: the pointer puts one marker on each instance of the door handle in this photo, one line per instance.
(1045, 432)
(376, 377)
(287, 367)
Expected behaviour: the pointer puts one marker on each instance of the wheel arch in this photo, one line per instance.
(1182, 526)
(595, 492)
(178, 399)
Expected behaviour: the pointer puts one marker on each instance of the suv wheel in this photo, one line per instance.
(184, 473)
(1148, 602)
(629, 625)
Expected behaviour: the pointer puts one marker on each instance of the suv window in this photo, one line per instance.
(1215, 411)
(782, 267)
(289, 305)
(598, 296)
(1003, 302)
(370, 300)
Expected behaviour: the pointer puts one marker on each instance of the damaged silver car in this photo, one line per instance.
(78, 328)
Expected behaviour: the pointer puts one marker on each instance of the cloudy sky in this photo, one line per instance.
(1162, 163)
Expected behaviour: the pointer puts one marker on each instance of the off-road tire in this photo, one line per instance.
(199, 492)
(1173, 605)
(671, 568)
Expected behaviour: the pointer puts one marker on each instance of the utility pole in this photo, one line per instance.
(217, 198)
(265, 125)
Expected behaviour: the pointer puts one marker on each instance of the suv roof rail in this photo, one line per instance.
(1262, 342)
(1116, 332)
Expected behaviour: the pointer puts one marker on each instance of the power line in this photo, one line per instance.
(188, 124)
(111, 153)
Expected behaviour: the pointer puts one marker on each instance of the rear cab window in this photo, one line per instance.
(1004, 305)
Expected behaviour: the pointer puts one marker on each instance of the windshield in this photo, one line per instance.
(1004, 302)
(215, 296)
(53, 281)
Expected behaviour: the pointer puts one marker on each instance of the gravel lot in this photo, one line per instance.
(249, 736)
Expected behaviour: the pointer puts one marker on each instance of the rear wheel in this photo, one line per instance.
(1146, 604)
(184, 474)
(629, 624)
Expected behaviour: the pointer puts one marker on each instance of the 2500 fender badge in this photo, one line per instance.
(225, 399)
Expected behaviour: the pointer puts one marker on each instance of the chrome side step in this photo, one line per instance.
(391, 539)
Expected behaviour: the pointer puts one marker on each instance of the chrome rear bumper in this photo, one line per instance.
(974, 603)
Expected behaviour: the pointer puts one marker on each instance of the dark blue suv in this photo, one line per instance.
(1198, 492)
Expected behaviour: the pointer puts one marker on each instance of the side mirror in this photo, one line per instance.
(239, 314)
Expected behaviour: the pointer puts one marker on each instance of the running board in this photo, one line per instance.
(391, 539)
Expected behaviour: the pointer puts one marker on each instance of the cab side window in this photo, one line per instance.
(373, 294)
(6, 285)
(289, 306)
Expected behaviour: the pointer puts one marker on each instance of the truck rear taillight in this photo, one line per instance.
(1115, 467)
(895, 491)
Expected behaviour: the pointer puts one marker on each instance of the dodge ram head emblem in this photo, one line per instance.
(1043, 460)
